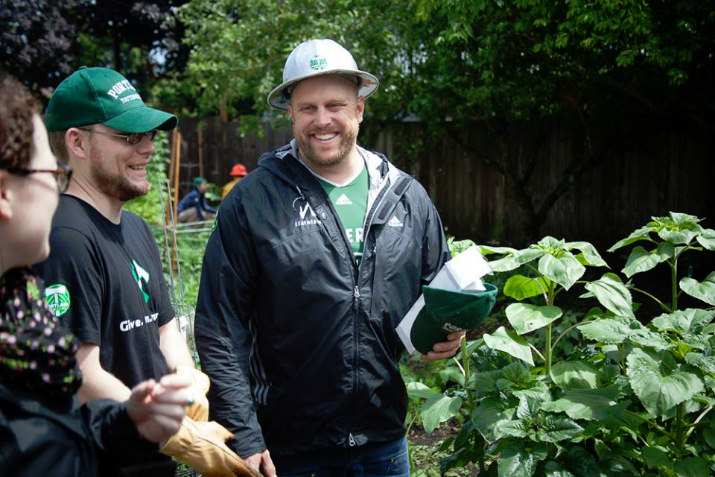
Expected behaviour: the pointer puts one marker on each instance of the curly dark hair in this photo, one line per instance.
(17, 107)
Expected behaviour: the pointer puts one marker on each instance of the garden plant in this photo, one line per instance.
(605, 387)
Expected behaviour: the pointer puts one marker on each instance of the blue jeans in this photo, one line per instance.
(382, 459)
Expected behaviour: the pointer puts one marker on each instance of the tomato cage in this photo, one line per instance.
(183, 244)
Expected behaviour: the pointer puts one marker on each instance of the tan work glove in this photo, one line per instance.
(201, 445)
(199, 411)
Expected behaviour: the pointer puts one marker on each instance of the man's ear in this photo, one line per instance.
(360, 108)
(6, 198)
(75, 142)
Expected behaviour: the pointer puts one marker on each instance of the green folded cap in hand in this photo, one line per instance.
(447, 311)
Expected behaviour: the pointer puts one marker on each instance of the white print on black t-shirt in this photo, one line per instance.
(128, 325)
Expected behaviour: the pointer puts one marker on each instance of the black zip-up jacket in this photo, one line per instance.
(298, 340)
(42, 436)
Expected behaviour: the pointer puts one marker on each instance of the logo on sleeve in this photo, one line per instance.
(58, 299)
(141, 276)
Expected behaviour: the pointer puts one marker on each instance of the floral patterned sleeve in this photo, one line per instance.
(36, 350)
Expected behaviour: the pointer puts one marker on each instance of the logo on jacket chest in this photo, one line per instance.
(304, 214)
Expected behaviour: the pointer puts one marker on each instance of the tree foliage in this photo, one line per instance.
(238, 48)
(44, 41)
(468, 59)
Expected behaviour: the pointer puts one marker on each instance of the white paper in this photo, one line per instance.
(463, 272)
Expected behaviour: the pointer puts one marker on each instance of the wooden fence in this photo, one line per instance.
(669, 169)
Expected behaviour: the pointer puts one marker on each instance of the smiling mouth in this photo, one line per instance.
(325, 137)
(138, 167)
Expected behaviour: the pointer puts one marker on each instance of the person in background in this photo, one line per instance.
(238, 171)
(193, 207)
(105, 273)
(43, 430)
(315, 258)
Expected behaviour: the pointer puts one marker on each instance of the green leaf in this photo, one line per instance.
(682, 220)
(692, 467)
(704, 290)
(557, 428)
(453, 374)
(526, 318)
(554, 469)
(640, 260)
(437, 407)
(514, 375)
(510, 343)
(707, 239)
(581, 462)
(594, 405)
(416, 389)
(574, 375)
(551, 243)
(517, 461)
(688, 321)
(701, 361)
(438, 410)
(528, 408)
(648, 339)
(520, 287)
(536, 395)
(589, 253)
(606, 330)
(613, 295)
(458, 246)
(489, 417)
(677, 236)
(616, 464)
(657, 392)
(565, 270)
(488, 249)
(583, 403)
(642, 233)
(655, 458)
(709, 435)
(710, 383)
(515, 260)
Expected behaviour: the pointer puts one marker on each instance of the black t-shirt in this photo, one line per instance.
(107, 282)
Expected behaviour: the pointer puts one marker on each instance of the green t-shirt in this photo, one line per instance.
(350, 201)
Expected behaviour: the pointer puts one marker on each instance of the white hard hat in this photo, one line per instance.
(319, 57)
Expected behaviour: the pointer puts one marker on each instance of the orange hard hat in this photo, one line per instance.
(238, 170)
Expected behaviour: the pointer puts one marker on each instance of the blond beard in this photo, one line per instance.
(347, 143)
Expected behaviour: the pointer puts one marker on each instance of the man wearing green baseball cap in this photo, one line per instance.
(105, 262)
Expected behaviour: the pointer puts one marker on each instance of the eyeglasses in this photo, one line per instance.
(131, 138)
(62, 174)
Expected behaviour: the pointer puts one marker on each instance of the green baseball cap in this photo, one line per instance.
(447, 311)
(101, 95)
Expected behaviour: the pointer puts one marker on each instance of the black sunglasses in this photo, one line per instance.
(62, 174)
(131, 138)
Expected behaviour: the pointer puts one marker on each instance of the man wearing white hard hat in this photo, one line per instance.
(316, 257)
